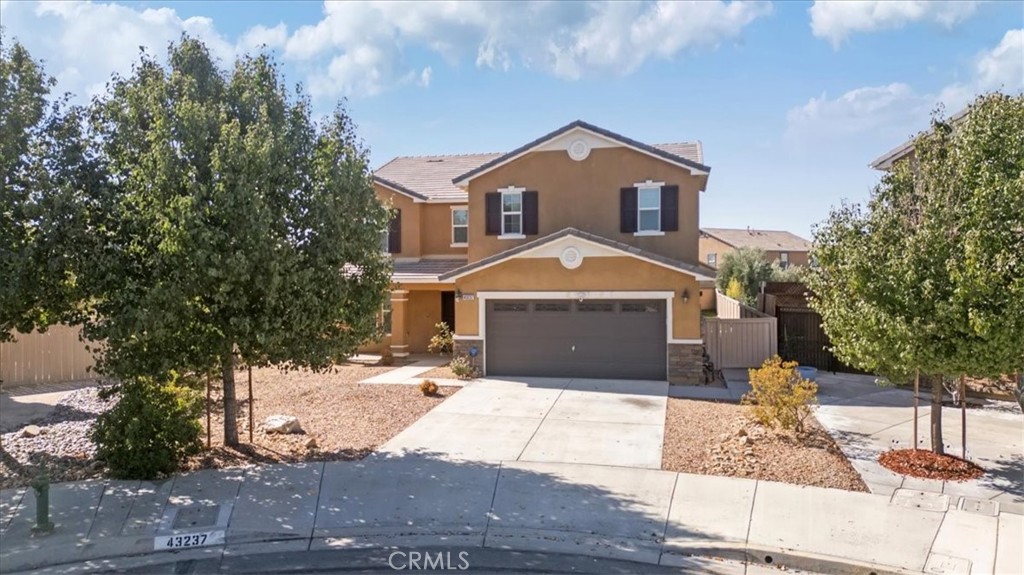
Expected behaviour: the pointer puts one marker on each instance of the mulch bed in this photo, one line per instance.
(929, 465)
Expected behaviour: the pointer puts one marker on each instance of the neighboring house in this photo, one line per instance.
(905, 151)
(573, 255)
(788, 249)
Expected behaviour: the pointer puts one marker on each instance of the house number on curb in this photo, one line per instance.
(188, 540)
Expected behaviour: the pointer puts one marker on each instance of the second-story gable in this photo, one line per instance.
(583, 177)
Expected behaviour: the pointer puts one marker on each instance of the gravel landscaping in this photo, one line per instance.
(340, 419)
(715, 438)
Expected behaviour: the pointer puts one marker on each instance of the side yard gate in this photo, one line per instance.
(802, 339)
(740, 336)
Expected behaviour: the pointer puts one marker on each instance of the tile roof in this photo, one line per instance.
(768, 240)
(423, 269)
(698, 271)
(430, 177)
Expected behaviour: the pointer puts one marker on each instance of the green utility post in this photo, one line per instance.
(41, 485)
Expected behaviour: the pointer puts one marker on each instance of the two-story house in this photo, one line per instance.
(779, 247)
(573, 255)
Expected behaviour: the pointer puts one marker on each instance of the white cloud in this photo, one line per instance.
(838, 20)
(566, 39)
(84, 43)
(425, 76)
(896, 110)
(259, 36)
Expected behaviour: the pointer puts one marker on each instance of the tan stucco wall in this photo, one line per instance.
(595, 274)
(585, 195)
(410, 219)
(436, 230)
(424, 311)
(708, 244)
(795, 258)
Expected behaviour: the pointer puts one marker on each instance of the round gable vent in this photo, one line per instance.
(571, 258)
(579, 150)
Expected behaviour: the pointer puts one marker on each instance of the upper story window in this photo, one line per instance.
(648, 208)
(512, 213)
(460, 226)
(712, 259)
(784, 260)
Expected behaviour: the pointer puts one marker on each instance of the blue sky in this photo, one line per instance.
(792, 100)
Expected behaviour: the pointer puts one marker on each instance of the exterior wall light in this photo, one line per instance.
(686, 295)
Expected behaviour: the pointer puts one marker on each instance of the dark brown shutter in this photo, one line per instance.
(670, 208)
(530, 227)
(395, 233)
(492, 201)
(627, 210)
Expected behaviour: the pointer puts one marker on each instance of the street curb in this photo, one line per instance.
(568, 543)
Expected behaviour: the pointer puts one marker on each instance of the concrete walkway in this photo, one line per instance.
(409, 374)
(865, 420)
(423, 500)
(594, 421)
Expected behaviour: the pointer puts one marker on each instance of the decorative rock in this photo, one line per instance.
(745, 440)
(282, 424)
(742, 432)
(311, 443)
(31, 431)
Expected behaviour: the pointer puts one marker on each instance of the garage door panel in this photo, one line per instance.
(599, 338)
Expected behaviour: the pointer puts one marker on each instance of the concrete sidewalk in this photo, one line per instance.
(418, 501)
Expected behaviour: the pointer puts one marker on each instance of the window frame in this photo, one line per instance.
(712, 259)
(455, 243)
(640, 188)
(784, 260)
(511, 191)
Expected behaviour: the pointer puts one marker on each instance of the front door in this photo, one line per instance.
(448, 309)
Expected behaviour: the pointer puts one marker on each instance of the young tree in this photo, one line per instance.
(929, 278)
(749, 267)
(45, 167)
(235, 228)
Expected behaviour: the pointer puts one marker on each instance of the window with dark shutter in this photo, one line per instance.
(492, 203)
(395, 233)
(530, 209)
(627, 210)
(670, 208)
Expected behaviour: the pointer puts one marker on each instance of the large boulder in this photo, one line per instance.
(282, 424)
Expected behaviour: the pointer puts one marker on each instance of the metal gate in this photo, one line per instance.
(802, 339)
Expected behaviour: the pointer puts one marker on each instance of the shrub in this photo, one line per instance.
(462, 367)
(151, 431)
(443, 340)
(735, 290)
(779, 397)
(747, 266)
(428, 387)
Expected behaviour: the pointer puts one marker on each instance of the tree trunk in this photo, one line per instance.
(936, 416)
(230, 405)
(1019, 390)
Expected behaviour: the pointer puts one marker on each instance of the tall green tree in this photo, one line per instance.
(234, 227)
(929, 278)
(748, 266)
(46, 166)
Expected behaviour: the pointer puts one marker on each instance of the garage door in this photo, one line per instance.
(620, 339)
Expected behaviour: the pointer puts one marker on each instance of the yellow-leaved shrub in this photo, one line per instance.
(779, 397)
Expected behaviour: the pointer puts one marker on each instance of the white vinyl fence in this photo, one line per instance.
(52, 357)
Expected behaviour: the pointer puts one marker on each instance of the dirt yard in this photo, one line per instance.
(340, 419)
(714, 438)
(345, 420)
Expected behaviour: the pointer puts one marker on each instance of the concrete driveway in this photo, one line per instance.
(555, 420)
